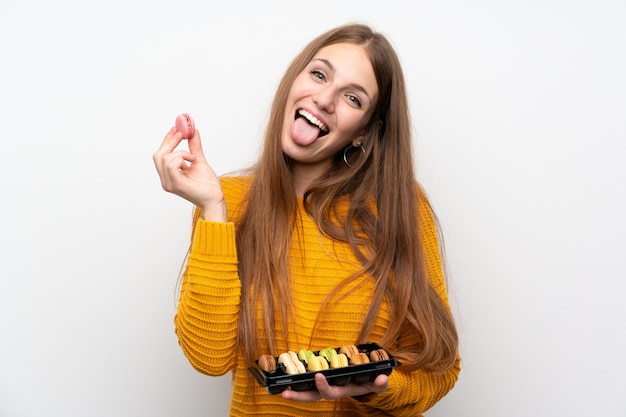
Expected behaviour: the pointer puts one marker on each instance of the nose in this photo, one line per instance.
(325, 98)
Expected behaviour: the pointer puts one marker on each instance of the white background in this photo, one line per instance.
(520, 122)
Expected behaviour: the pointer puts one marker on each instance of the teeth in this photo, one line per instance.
(314, 120)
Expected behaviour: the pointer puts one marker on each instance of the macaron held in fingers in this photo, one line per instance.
(185, 125)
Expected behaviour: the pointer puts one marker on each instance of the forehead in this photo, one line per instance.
(350, 63)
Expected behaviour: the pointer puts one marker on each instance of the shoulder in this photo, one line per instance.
(427, 219)
(432, 243)
(423, 203)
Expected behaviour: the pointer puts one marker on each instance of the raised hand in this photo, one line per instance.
(188, 175)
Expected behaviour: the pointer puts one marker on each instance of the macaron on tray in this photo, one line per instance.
(296, 370)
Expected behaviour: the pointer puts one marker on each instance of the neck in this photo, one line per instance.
(305, 174)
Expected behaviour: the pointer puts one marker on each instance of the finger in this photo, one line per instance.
(171, 140)
(321, 382)
(326, 390)
(178, 160)
(195, 146)
(302, 396)
(171, 165)
(331, 392)
(381, 383)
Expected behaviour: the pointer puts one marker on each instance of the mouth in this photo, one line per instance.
(313, 121)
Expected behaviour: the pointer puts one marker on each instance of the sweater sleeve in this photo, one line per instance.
(207, 316)
(412, 393)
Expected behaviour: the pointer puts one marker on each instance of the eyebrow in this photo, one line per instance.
(351, 85)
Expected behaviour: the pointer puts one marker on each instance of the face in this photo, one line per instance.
(329, 105)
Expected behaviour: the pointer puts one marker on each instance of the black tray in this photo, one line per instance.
(277, 381)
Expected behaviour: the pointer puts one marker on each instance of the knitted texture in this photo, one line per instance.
(207, 317)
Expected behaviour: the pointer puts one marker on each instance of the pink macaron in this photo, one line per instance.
(185, 125)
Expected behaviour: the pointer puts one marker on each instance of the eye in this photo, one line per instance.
(318, 75)
(354, 99)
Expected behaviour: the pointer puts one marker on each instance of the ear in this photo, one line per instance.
(358, 141)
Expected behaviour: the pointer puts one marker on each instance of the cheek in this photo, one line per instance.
(298, 86)
(353, 123)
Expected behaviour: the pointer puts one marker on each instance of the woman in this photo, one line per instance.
(327, 241)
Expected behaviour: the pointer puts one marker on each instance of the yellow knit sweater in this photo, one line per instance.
(207, 317)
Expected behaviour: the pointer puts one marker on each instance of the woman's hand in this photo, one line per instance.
(188, 175)
(333, 392)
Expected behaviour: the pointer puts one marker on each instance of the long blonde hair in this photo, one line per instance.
(382, 218)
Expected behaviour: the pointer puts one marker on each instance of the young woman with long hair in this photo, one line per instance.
(327, 240)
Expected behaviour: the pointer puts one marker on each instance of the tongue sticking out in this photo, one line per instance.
(303, 133)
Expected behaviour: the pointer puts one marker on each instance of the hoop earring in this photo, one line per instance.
(345, 152)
